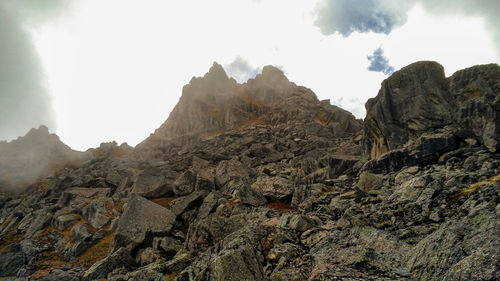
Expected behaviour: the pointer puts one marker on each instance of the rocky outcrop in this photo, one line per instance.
(422, 114)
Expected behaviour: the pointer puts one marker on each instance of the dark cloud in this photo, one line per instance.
(379, 63)
(382, 16)
(24, 100)
(241, 70)
(348, 16)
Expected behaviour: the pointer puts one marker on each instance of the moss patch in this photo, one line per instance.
(474, 187)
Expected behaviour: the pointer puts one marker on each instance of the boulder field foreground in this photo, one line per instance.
(262, 181)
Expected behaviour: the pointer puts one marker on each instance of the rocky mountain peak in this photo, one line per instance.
(216, 73)
(215, 103)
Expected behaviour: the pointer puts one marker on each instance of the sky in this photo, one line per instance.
(112, 70)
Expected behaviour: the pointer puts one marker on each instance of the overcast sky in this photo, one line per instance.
(102, 70)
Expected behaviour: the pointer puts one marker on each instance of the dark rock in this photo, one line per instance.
(183, 204)
(11, 260)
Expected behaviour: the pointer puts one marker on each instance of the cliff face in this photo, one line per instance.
(261, 181)
(419, 99)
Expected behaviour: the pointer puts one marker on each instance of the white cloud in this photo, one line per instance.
(116, 67)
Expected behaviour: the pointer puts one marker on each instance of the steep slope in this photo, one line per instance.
(28, 158)
(280, 186)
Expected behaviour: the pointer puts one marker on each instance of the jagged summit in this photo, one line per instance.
(216, 103)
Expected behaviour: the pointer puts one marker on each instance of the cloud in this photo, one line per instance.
(382, 16)
(348, 16)
(379, 63)
(241, 70)
(24, 99)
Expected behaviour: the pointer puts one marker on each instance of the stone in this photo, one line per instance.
(100, 269)
(368, 181)
(275, 189)
(95, 213)
(139, 218)
(64, 221)
(186, 203)
(299, 223)
(413, 100)
(167, 244)
(250, 196)
(154, 182)
(185, 183)
(82, 192)
(42, 220)
(228, 170)
(79, 233)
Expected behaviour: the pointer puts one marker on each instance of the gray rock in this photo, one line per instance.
(186, 203)
(79, 233)
(64, 221)
(95, 213)
(275, 189)
(228, 170)
(299, 223)
(140, 217)
(168, 244)
(11, 260)
(154, 182)
(42, 220)
(185, 183)
(100, 269)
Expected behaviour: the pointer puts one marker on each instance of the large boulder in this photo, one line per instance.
(154, 182)
(139, 218)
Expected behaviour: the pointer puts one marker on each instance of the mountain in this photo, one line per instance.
(37, 154)
(262, 181)
(215, 103)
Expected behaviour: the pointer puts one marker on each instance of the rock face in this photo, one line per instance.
(419, 99)
(261, 181)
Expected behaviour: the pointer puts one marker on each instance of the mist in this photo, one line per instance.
(241, 70)
(25, 101)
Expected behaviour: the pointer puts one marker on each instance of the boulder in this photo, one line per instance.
(186, 203)
(64, 221)
(96, 212)
(154, 182)
(275, 189)
(139, 218)
(100, 269)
